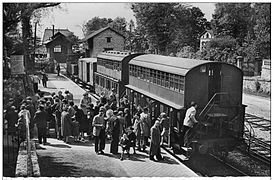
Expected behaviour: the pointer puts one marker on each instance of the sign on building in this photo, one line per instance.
(17, 64)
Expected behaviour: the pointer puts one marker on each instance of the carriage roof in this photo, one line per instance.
(169, 64)
(113, 55)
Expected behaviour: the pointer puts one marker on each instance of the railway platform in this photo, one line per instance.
(78, 159)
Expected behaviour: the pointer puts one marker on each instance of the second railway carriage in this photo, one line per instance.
(112, 72)
(86, 69)
(169, 84)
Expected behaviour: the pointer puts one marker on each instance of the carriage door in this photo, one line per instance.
(214, 81)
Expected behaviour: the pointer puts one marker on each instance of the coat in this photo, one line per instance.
(40, 118)
(98, 125)
(155, 140)
(66, 124)
(115, 131)
(146, 124)
(138, 128)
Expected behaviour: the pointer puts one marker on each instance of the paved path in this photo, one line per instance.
(258, 106)
(59, 159)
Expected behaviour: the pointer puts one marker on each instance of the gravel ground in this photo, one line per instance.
(248, 165)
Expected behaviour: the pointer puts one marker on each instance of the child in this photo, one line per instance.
(125, 144)
(132, 139)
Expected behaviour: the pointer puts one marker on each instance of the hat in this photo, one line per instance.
(163, 115)
(120, 113)
(85, 94)
(11, 99)
(115, 112)
(41, 106)
(29, 98)
(102, 109)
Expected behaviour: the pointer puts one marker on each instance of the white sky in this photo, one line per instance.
(74, 15)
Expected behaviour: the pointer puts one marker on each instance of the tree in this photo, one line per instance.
(96, 23)
(262, 29)
(119, 24)
(168, 27)
(24, 12)
(232, 19)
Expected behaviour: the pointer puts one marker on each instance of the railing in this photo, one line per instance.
(209, 105)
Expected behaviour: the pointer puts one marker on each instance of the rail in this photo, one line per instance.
(256, 147)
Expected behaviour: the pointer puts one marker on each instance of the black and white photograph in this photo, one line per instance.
(136, 89)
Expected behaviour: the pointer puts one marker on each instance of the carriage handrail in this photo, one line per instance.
(222, 93)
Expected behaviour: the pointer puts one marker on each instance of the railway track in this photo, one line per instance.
(257, 147)
(258, 122)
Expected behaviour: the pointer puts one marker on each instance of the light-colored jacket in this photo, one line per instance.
(98, 124)
(190, 117)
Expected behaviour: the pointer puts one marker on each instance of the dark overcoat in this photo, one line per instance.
(155, 140)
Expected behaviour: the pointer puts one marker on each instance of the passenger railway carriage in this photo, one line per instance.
(169, 84)
(86, 69)
(112, 72)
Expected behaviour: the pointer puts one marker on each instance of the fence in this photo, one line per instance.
(11, 142)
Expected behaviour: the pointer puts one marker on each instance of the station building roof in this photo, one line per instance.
(169, 64)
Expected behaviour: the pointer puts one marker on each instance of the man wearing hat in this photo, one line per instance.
(99, 131)
(155, 142)
(40, 118)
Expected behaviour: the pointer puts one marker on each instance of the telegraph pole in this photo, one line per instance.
(34, 47)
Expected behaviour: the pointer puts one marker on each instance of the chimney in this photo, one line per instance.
(52, 30)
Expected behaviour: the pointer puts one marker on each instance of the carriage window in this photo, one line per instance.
(138, 71)
(108, 84)
(147, 74)
(119, 66)
(97, 80)
(158, 77)
(176, 83)
(142, 72)
(181, 83)
(167, 80)
(130, 70)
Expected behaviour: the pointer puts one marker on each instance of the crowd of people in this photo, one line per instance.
(104, 121)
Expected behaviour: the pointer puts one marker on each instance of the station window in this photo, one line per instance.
(57, 48)
(108, 39)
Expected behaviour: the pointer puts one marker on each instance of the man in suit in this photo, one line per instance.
(40, 119)
(98, 131)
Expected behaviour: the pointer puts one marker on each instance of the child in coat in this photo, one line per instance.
(125, 144)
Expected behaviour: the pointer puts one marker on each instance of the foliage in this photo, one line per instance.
(96, 23)
(22, 12)
(248, 27)
(168, 27)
